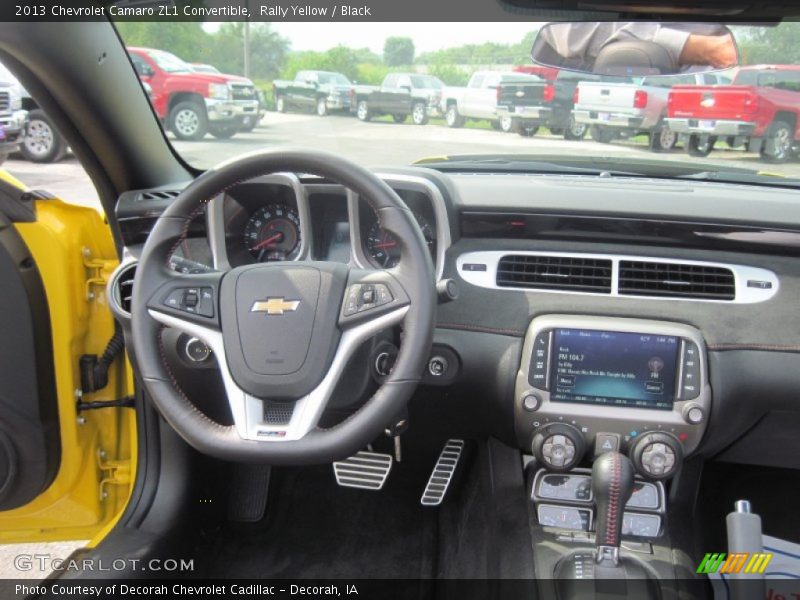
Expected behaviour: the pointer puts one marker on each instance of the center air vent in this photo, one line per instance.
(123, 287)
(568, 273)
(677, 280)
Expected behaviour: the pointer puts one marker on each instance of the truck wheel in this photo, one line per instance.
(248, 123)
(527, 130)
(42, 143)
(777, 145)
(575, 131)
(508, 125)
(280, 104)
(419, 114)
(604, 135)
(223, 132)
(663, 139)
(452, 116)
(399, 118)
(188, 121)
(362, 111)
(700, 146)
(322, 107)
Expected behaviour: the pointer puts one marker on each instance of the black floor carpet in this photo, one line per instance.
(315, 529)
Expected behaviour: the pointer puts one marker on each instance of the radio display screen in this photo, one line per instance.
(614, 368)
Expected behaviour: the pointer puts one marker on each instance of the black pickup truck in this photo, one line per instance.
(533, 104)
(320, 91)
(400, 95)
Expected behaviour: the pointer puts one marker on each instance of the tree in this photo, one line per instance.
(268, 50)
(398, 51)
(769, 44)
(183, 39)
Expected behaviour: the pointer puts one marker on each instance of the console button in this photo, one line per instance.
(693, 414)
(540, 359)
(531, 402)
(690, 380)
(606, 442)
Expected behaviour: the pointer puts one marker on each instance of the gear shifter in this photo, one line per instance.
(612, 486)
(611, 576)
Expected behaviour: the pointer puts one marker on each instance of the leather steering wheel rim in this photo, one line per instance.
(414, 274)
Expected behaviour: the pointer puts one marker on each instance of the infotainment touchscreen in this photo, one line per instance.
(615, 368)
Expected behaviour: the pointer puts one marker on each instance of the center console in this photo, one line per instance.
(630, 396)
(587, 385)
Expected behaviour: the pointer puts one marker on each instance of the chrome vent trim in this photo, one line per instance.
(676, 280)
(120, 288)
(750, 284)
(547, 272)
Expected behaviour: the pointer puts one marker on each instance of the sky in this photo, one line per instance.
(427, 36)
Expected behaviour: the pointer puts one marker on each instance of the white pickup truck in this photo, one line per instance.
(479, 99)
(615, 110)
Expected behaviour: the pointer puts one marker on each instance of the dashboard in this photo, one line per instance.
(622, 276)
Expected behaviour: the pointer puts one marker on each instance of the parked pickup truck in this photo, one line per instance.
(536, 103)
(321, 91)
(400, 95)
(760, 109)
(625, 109)
(12, 117)
(192, 104)
(479, 99)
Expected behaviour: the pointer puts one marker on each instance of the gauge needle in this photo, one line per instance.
(268, 242)
(386, 244)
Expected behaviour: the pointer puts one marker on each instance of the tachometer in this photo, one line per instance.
(383, 248)
(272, 233)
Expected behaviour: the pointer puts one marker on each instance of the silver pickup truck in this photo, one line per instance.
(619, 110)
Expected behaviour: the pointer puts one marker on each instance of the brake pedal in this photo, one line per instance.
(442, 474)
(365, 470)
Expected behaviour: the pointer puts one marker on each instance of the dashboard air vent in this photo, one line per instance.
(568, 273)
(158, 195)
(643, 278)
(124, 287)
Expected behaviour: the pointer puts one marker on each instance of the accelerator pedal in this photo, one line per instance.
(442, 473)
(365, 470)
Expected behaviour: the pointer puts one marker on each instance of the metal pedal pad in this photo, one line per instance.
(442, 473)
(365, 470)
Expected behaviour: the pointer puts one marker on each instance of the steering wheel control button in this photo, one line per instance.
(693, 414)
(196, 350)
(197, 301)
(606, 442)
(437, 366)
(540, 358)
(365, 296)
(531, 402)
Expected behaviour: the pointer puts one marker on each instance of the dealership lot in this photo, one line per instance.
(378, 144)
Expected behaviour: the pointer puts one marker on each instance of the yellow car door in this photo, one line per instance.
(67, 426)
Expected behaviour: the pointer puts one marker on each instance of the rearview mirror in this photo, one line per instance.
(631, 49)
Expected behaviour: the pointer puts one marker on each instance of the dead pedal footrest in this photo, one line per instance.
(364, 470)
(442, 473)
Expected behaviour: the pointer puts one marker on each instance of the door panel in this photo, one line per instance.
(79, 490)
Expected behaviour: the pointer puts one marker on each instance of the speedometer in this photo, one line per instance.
(272, 233)
(383, 248)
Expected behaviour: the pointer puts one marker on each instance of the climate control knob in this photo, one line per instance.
(656, 455)
(558, 446)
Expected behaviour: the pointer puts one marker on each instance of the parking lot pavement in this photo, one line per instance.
(375, 144)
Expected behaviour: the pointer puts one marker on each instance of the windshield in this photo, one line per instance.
(406, 98)
(169, 62)
(333, 79)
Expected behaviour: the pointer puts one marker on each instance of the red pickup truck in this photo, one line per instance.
(190, 103)
(761, 109)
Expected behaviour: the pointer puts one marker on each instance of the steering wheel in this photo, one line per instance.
(282, 333)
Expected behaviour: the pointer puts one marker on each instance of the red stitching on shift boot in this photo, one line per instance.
(613, 503)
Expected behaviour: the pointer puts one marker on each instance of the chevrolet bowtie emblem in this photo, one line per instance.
(275, 306)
